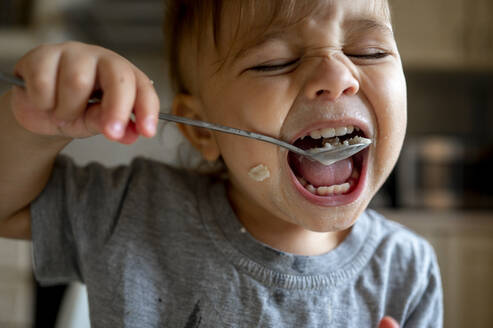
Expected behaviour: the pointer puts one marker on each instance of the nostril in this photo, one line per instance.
(350, 91)
(321, 92)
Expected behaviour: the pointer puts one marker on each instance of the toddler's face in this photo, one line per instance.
(336, 68)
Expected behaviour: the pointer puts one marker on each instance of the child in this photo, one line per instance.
(283, 242)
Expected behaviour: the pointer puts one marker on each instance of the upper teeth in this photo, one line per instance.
(332, 132)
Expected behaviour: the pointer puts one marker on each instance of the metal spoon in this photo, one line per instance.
(321, 155)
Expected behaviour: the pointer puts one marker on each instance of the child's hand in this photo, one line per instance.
(388, 322)
(59, 82)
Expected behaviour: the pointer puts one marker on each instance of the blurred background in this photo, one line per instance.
(441, 186)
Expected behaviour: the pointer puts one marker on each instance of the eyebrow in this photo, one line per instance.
(363, 24)
(250, 47)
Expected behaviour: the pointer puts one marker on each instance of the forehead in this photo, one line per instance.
(247, 22)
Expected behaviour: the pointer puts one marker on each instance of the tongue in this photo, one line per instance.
(318, 174)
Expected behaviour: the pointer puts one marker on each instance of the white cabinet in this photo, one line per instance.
(444, 34)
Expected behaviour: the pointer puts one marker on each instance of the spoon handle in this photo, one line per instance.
(14, 80)
(230, 130)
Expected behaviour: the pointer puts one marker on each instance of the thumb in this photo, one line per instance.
(388, 322)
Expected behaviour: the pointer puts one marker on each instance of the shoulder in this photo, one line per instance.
(405, 267)
(165, 184)
(140, 172)
(168, 177)
(401, 251)
(144, 180)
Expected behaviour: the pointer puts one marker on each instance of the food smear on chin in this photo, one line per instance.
(259, 173)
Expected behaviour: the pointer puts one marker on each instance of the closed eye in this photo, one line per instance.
(272, 68)
(376, 55)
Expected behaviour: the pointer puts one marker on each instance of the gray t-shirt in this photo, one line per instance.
(162, 247)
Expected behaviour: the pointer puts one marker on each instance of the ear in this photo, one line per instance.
(202, 139)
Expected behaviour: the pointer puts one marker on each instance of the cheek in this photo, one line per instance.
(242, 154)
(390, 108)
(260, 107)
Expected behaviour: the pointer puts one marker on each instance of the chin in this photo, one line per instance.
(332, 219)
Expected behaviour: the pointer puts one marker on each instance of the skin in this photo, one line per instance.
(388, 322)
(333, 76)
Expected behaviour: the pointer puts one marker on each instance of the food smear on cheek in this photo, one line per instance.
(259, 173)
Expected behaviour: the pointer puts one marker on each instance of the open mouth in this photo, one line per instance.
(339, 182)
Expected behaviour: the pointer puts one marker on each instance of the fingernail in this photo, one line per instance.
(150, 125)
(116, 129)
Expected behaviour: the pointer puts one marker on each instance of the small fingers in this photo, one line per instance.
(131, 134)
(76, 80)
(146, 106)
(60, 80)
(92, 119)
(39, 69)
(117, 81)
(93, 124)
(388, 322)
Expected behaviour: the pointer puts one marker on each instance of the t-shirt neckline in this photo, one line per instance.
(276, 267)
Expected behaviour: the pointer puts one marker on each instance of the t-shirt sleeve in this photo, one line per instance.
(74, 216)
(413, 288)
(428, 312)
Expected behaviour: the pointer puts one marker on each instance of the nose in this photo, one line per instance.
(330, 80)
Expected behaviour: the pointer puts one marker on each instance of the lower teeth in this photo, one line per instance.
(333, 190)
(324, 190)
